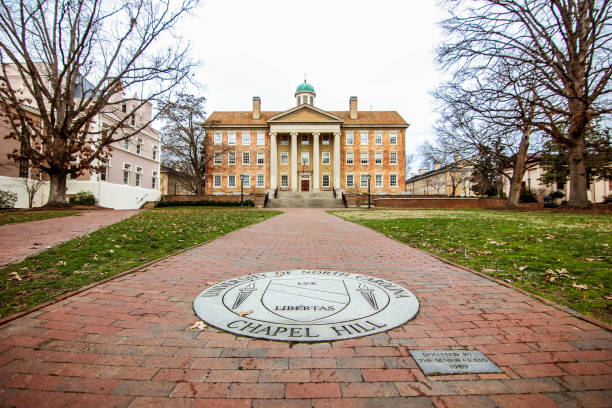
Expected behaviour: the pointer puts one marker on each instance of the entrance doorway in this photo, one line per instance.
(305, 185)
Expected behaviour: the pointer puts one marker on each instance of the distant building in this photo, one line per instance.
(452, 180)
(130, 177)
(175, 182)
(306, 148)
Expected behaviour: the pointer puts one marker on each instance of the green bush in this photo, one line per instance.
(528, 196)
(204, 203)
(83, 198)
(7, 199)
(557, 194)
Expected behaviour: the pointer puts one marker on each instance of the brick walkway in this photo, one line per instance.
(18, 241)
(127, 342)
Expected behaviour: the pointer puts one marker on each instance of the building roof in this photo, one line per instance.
(364, 118)
(304, 87)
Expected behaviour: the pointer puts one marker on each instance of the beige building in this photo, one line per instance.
(306, 148)
(452, 180)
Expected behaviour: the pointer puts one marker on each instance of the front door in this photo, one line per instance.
(305, 185)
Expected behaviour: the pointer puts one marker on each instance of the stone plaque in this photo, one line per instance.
(306, 305)
(434, 362)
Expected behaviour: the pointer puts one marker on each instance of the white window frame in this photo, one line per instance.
(378, 158)
(323, 176)
(284, 140)
(218, 138)
(363, 180)
(155, 152)
(154, 179)
(379, 180)
(378, 138)
(261, 138)
(139, 146)
(230, 161)
(349, 138)
(285, 177)
(307, 156)
(364, 154)
(391, 176)
(217, 159)
(246, 138)
(325, 139)
(126, 144)
(247, 180)
(393, 138)
(325, 157)
(350, 154)
(126, 166)
(217, 177)
(346, 181)
(364, 137)
(229, 183)
(137, 179)
(231, 138)
(263, 181)
(261, 158)
(285, 156)
(305, 140)
(246, 155)
(392, 157)
(126, 177)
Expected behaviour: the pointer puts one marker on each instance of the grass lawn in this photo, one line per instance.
(14, 217)
(563, 257)
(114, 249)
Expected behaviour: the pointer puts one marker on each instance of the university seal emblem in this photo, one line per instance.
(306, 305)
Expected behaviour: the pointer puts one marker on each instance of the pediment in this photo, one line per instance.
(305, 114)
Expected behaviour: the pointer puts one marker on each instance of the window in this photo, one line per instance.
(126, 173)
(364, 157)
(392, 157)
(392, 180)
(284, 180)
(305, 158)
(231, 138)
(378, 138)
(349, 157)
(246, 180)
(325, 159)
(365, 139)
(261, 181)
(126, 144)
(304, 139)
(325, 139)
(123, 107)
(260, 158)
(137, 180)
(217, 181)
(133, 120)
(392, 138)
(154, 180)
(378, 157)
(349, 180)
(261, 138)
(246, 158)
(246, 138)
(103, 171)
(350, 138)
(139, 146)
(155, 151)
(325, 180)
(231, 181)
(364, 180)
(23, 169)
(217, 159)
(127, 166)
(560, 186)
(284, 158)
(231, 158)
(139, 170)
(284, 140)
(378, 180)
(218, 138)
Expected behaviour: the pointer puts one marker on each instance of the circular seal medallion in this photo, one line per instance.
(306, 305)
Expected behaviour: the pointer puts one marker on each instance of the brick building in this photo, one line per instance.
(306, 148)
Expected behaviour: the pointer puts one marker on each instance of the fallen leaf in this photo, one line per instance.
(198, 325)
(241, 314)
(580, 287)
(589, 259)
(210, 283)
(608, 297)
(15, 275)
(522, 268)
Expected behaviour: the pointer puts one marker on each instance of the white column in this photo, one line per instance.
(337, 160)
(273, 162)
(315, 162)
(294, 162)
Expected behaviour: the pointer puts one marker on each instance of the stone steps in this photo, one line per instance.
(323, 199)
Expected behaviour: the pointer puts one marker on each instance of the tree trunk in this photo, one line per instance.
(519, 170)
(57, 190)
(577, 175)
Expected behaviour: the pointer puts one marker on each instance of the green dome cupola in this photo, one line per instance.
(305, 94)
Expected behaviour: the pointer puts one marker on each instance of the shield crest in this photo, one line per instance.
(305, 299)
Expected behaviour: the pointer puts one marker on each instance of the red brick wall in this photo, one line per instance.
(405, 202)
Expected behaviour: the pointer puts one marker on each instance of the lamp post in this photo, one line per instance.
(369, 177)
(241, 190)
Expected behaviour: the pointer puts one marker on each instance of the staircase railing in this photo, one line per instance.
(335, 194)
(276, 193)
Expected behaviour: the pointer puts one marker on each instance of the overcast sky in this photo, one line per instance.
(380, 51)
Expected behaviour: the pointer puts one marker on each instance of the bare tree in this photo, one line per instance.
(565, 47)
(67, 62)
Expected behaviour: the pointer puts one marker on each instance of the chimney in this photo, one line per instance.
(353, 105)
(436, 166)
(256, 107)
(411, 175)
(421, 171)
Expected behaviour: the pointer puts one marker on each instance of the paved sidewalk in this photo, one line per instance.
(127, 342)
(18, 241)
